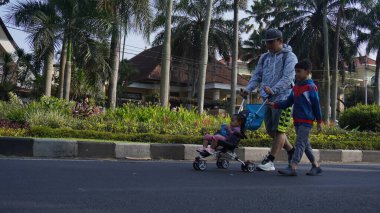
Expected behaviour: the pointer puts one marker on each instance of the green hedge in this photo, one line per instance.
(361, 117)
(91, 134)
(350, 140)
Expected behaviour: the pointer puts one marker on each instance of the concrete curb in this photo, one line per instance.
(132, 151)
(167, 151)
(88, 149)
(13, 146)
(57, 148)
(54, 148)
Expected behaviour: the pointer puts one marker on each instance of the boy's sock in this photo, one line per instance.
(290, 154)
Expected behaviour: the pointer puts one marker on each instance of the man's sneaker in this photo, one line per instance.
(288, 171)
(266, 165)
(314, 171)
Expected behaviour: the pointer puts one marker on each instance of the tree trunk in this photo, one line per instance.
(326, 67)
(166, 55)
(204, 58)
(49, 69)
(125, 37)
(62, 67)
(235, 50)
(114, 58)
(334, 92)
(377, 87)
(67, 83)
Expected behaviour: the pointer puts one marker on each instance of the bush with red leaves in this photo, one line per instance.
(12, 125)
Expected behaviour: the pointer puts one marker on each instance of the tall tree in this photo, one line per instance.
(235, 52)
(237, 4)
(42, 23)
(204, 57)
(188, 23)
(166, 55)
(326, 65)
(369, 24)
(300, 22)
(334, 90)
(136, 15)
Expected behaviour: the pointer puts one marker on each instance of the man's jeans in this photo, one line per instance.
(302, 145)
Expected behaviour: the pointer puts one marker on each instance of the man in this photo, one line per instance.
(275, 72)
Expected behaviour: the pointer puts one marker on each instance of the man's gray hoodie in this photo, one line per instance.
(271, 72)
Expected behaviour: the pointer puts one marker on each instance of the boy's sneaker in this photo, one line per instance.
(288, 171)
(314, 171)
(266, 165)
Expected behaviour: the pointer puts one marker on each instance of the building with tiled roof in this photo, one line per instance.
(183, 74)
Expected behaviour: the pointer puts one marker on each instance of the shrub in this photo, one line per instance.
(53, 119)
(41, 131)
(13, 132)
(361, 117)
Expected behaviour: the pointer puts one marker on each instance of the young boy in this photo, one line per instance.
(306, 109)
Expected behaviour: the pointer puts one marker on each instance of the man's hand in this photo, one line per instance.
(270, 104)
(319, 127)
(268, 90)
(244, 92)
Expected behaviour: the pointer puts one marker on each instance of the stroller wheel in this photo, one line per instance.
(195, 165)
(202, 165)
(249, 167)
(224, 164)
(219, 164)
(243, 167)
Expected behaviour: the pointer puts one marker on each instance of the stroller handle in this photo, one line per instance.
(244, 100)
(242, 105)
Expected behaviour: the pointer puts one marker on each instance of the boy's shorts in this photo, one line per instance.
(277, 120)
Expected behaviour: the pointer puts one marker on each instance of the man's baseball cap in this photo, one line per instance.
(272, 34)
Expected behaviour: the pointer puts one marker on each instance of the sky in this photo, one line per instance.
(134, 43)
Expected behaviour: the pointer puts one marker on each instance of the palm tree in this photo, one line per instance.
(344, 17)
(188, 23)
(135, 15)
(237, 4)
(334, 90)
(76, 26)
(253, 48)
(204, 57)
(301, 24)
(369, 23)
(91, 68)
(326, 65)
(42, 22)
(166, 54)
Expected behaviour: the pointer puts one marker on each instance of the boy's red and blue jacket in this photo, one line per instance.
(305, 101)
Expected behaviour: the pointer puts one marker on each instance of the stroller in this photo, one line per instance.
(252, 118)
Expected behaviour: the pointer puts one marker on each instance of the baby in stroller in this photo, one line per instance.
(223, 134)
(223, 144)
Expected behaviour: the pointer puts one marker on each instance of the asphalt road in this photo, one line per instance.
(40, 185)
